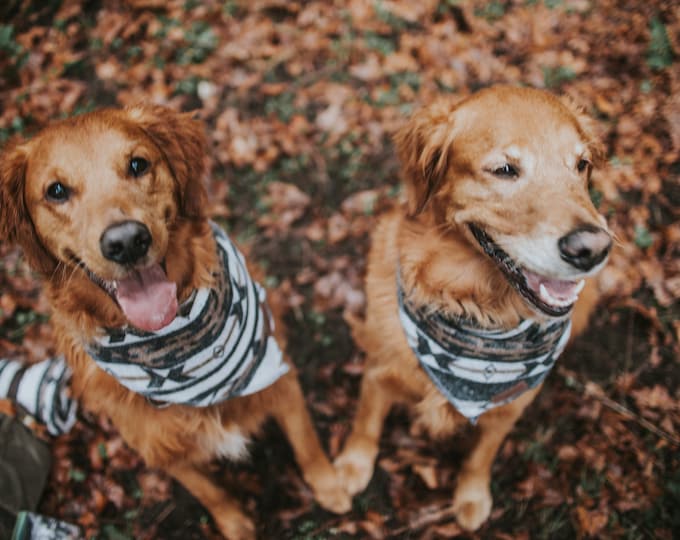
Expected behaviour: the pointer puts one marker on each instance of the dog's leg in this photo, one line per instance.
(226, 511)
(472, 497)
(356, 462)
(293, 417)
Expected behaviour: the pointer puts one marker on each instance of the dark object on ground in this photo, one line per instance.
(25, 463)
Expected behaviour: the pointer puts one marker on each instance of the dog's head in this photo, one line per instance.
(510, 167)
(102, 192)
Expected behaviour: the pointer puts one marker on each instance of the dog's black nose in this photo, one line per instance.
(585, 247)
(125, 242)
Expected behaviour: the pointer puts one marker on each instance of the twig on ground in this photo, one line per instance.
(429, 515)
(162, 515)
(616, 406)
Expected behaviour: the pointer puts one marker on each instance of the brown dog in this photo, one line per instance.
(489, 253)
(110, 208)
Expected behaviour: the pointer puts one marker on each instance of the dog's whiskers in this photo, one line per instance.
(444, 227)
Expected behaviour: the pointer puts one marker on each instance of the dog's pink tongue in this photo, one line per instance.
(554, 290)
(148, 299)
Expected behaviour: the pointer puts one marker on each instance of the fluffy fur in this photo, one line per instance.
(90, 155)
(453, 157)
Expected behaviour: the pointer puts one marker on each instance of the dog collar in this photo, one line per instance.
(478, 369)
(220, 346)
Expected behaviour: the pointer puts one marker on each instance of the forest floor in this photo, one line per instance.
(300, 100)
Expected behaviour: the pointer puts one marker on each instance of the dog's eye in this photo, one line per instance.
(138, 166)
(582, 165)
(58, 192)
(506, 171)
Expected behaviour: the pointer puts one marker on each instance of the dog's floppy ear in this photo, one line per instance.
(423, 146)
(182, 140)
(588, 128)
(16, 225)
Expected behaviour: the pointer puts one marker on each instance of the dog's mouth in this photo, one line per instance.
(146, 296)
(555, 297)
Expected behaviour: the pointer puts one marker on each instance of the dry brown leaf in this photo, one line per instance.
(655, 397)
(361, 202)
(591, 522)
(428, 474)
(287, 204)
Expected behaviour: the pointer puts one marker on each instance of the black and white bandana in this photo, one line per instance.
(41, 390)
(478, 369)
(32, 526)
(220, 345)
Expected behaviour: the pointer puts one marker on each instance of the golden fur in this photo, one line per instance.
(90, 155)
(448, 151)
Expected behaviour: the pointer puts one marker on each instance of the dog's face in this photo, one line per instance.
(510, 168)
(102, 193)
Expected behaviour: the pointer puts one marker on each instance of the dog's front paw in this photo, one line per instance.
(355, 468)
(327, 487)
(334, 498)
(472, 502)
(235, 526)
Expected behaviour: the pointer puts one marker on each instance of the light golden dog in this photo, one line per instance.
(110, 208)
(498, 231)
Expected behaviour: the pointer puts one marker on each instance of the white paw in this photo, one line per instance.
(472, 502)
(355, 469)
(235, 526)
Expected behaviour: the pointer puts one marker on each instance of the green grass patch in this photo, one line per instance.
(15, 328)
(643, 238)
(410, 78)
(167, 23)
(77, 475)
(111, 532)
(659, 51)
(307, 530)
(16, 127)
(282, 105)
(201, 39)
(595, 196)
(554, 77)
(101, 450)
(383, 44)
(554, 522)
(591, 482)
(395, 22)
(491, 11)
(187, 86)
(8, 44)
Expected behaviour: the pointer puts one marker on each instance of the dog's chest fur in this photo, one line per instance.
(226, 443)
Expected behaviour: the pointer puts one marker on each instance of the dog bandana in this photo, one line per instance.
(41, 390)
(478, 369)
(219, 346)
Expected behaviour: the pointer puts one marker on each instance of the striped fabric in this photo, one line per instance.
(41, 390)
(478, 369)
(220, 345)
(32, 526)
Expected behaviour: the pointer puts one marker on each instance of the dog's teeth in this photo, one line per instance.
(551, 300)
(545, 295)
(579, 287)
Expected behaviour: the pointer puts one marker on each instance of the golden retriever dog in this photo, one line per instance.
(110, 209)
(472, 286)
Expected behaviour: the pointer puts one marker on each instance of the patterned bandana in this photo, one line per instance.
(219, 346)
(478, 369)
